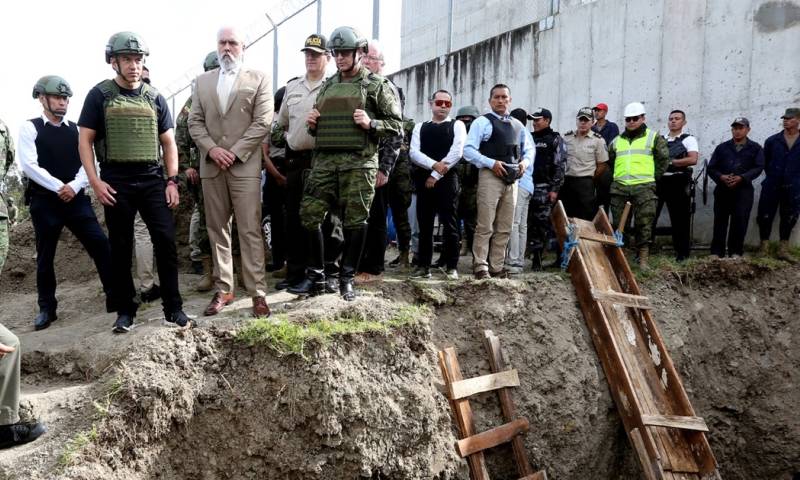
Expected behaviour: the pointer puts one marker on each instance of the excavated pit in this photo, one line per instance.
(202, 404)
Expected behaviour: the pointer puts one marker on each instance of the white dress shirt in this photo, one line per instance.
(453, 155)
(225, 84)
(28, 160)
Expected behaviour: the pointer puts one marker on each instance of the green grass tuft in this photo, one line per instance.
(287, 337)
(75, 445)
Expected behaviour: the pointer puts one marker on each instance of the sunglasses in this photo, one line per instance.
(632, 119)
(443, 103)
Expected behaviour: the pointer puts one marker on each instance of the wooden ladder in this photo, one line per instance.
(667, 437)
(471, 445)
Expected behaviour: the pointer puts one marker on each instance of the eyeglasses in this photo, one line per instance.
(443, 103)
(632, 119)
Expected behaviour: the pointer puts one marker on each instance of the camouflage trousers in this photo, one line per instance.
(3, 242)
(347, 191)
(643, 210)
(399, 200)
(539, 226)
(468, 211)
(198, 234)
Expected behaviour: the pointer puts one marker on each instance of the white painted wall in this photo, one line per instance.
(714, 59)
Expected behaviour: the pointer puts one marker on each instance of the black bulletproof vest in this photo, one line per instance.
(503, 145)
(435, 139)
(544, 162)
(57, 149)
(678, 150)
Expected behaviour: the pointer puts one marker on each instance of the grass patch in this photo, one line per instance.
(75, 445)
(287, 337)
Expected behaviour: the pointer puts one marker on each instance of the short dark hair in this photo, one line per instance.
(683, 114)
(499, 85)
(441, 90)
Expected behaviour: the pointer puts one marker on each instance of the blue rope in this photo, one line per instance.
(569, 244)
(618, 238)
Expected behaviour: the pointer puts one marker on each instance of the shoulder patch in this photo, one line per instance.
(569, 132)
(596, 135)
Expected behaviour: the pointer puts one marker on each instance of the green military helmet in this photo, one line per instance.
(468, 111)
(52, 85)
(125, 42)
(347, 38)
(211, 62)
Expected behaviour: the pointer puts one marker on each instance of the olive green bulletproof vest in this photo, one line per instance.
(336, 129)
(131, 126)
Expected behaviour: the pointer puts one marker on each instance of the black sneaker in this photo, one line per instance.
(44, 319)
(180, 319)
(151, 295)
(19, 433)
(420, 273)
(124, 323)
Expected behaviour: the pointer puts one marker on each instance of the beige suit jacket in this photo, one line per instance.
(240, 128)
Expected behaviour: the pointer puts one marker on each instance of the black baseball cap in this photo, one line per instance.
(316, 43)
(741, 121)
(541, 113)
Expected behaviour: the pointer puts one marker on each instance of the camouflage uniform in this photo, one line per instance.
(548, 178)
(400, 190)
(189, 157)
(6, 159)
(643, 196)
(468, 199)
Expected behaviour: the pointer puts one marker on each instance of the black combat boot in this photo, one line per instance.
(536, 260)
(314, 283)
(354, 244)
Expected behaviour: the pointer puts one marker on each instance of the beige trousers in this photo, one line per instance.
(496, 203)
(144, 277)
(9, 378)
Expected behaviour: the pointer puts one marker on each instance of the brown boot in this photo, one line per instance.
(783, 252)
(206, 283)
(644, 256)
(763, 250)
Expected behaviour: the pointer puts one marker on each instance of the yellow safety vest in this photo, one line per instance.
(635, 164)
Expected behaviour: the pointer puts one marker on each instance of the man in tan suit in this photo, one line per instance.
(231, 114)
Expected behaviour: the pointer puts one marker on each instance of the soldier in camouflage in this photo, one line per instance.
(468, 179)
(354, 110)
(549, 168)
(189, 163)
(400, 190)
(6, 159)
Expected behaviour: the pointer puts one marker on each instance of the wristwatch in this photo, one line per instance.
(373, 125)
(173, 180)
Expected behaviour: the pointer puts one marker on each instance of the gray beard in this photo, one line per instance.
(229, 62)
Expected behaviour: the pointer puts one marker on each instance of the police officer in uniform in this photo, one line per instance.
(6, 159)
(189, 163)
(674, 187)
(587, 159)
(468, 180)
(125, 121)
(354, 109)
(549, 168)
(290, 130)
(48, 156)
(640, 156)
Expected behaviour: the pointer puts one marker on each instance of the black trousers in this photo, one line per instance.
(578, 197)
(298, 242)
(673, 190)
(372, 261)
(50, 215)
(442, 199)
(146, 196)
(731, 207)
(274, 205)
(784, 199)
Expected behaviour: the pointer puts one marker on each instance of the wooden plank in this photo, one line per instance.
(498, 364)
(484, 383)
(491, 438)
(624, 299)
(597, 237)
(650, 468)
(451, 372)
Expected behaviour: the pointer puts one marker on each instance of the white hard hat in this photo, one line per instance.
(634, 109)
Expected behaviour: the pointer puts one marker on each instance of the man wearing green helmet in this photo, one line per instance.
(468, 180)
(189, 162)
(125, 122)
(354, 110)
(48, 156)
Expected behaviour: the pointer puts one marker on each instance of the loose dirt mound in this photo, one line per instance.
(205, 404)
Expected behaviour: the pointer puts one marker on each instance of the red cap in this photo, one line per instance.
(601, 106)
